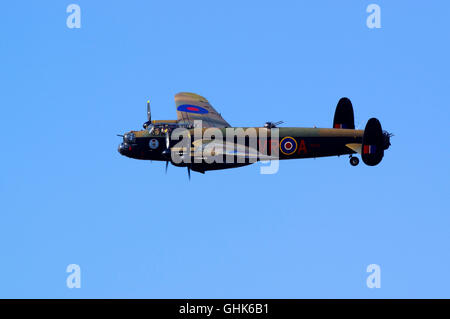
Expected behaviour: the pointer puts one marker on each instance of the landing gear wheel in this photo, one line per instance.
(354, 161)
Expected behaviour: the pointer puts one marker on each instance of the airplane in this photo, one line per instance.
(155, 141)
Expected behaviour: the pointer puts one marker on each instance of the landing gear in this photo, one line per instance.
(354, 161)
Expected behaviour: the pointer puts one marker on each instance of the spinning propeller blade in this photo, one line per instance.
(149, 113)
(167, 140)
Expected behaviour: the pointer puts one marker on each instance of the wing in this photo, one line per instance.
(219, 148)
(192, 107)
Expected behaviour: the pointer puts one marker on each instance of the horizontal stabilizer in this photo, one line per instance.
(356, 147)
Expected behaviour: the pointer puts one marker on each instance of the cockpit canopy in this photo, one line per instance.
(129, 138)
(161, 128)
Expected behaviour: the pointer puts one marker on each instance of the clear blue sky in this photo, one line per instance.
(309, 231)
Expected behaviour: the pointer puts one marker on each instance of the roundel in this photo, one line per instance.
(192, 109)
(288, 145)
(153, 143)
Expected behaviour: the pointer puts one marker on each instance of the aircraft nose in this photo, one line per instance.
(122, 148)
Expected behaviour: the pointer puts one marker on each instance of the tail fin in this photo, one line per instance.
(373, 143)
(343, 116)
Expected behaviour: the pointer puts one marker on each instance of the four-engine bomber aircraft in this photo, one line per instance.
(194, 112)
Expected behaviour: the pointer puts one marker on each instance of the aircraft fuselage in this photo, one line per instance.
(292, 143)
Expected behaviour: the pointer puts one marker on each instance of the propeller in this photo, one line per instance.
(189, 172)
(149, 116)
(166, 153)
(167, 140)
(387, 139)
